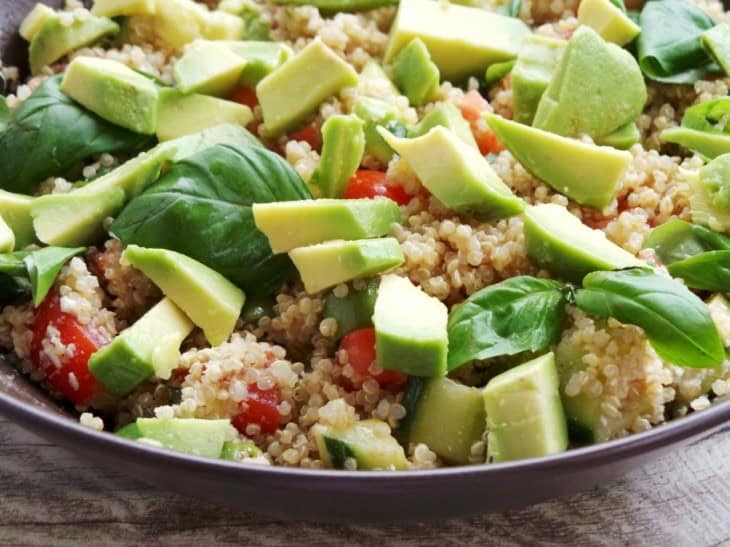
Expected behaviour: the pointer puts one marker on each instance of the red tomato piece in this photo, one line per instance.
(367, 183)
(472, 106)
(309, 134)
(488, 143)
(360, 347)
(260, 408)
(244, 95)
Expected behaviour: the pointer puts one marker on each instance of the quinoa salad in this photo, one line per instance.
(369, 234)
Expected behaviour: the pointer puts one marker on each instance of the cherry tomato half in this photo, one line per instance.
(367, 183)
(360, 347)
(260, 408)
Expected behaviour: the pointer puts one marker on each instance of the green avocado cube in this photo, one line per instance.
(709, 194)
(410, 329)
(368, 442)
(35, 20)
(15, 211)
(623, 138)
(179, 22)
(209, 68)
(203, 438)
(343, 146)
(374, 113)
(716, 41)
(415, 74)
(353, 311)
(445, 115)
(116, 8)
(7, 237)
(608, 20)
(262, 58)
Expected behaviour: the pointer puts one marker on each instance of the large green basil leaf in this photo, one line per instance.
(202, 208)
(51, 135)
(677, 240)
(520, 314)
(44, 266)
(676, 322)
(4, 114)
(708, 271)
(669, 46)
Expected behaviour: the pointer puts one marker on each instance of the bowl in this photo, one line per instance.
(335, 496)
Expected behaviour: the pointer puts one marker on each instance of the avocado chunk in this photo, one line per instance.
(34, 21)
(211, 301)
(463, 41)
(716, 42)
(495, 72)
(115, 8)
(596, 88)
(373, 71)
(227, 133)
(55, 39)
(180, 115)
(563, 163)
(113, 91)
(150, 347)
(447, 416)
(609, 21)
(410, 329)
(296, 89)
(179, 22)
(457, 174)
(445, 115)
(525, 417)
(709, 199)
(7, 237)
(374, 113)
(353, 311)
(292, 224)
(328, 264)
(343, 146)
(623, 138)
(559, 242)
(209, 68)
(532, 73)
(257, 27)
(239, 450)
(707, 145)
(368, 442)
(415, 74)
(262, 58)
(15, 211)
(203, 438)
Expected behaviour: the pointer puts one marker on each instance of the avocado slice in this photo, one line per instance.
(457, 174)
(204, 438)
(563, 163)
(374, 113)
(708, 197)
(113, 91)
(623, 138)
(353, 311)
(328, 264)
(373, 71)
(445, 115)
(150, 347)
(447, 416)
(525, 417)
(415, 74)
(368, 442)
(34, 21)
(559, 242)
(262, 58)
(179, 22)
(343, 146)
(296, 89)
(15, 211)
(410, 329)
(209, 299)
(116, 8)
(291, 224)
(608, 20)
(208, 68)
(7, 237)
(462, 41)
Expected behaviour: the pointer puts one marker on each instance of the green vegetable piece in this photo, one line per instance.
(257, 307)
(336, 6)
(203, 438)
(716, 42)
(609, 20)
(230, 134)
(410, 329)
(596, 88)
(35, 20)
(677, 239)
(292, 224)
(511, 8)
(447, 416)
(709, 145)
(715, 177)
(44, 266)
(462, 41)
(497, 71)
(445, 115)
(239, 450)
(519, 314)
(373, 72)
(179, 22)
(368, 442)
(623, 138)
(262, 58)
(343, 145)
(677, 323)
(708, 271)
(457, 174)
(704, 128)
(115, 8)
(562, 162)
(15, 211)
(7, 237)
(374, 113)
(209, 299)
(353, 311)
(709, 197)
(13, 263)
(559, 242)
(415, 74)
(296, 89)
(5, 114)
(208, 68)
(525, 417)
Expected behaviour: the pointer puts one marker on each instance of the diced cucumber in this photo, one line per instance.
(368, 442)
(204, 438)
(354, 311)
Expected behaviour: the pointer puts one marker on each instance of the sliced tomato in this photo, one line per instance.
(260, 408)
(488, 143)
(360, 347)
(309, 134)
(367, 183)
(244, 95)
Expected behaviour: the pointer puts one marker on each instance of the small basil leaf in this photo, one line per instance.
(13, 288)
(519, 314)
(12, 263)
(677, 240)
(676, 322)
(44, 265)
(706, 271)
(4, 114)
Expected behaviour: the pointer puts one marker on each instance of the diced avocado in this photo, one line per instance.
(373, 71)
(239, 450)
(495, 72)
(209, 68)
(15, 210)
(224, 26)
(7, 237)
(336, 6)
(353, 311)
(262, 58)
(209, 299)
(410, 329)
(708, 207)
(525, 417)
(291, 224)
(374, 113)
(447, 416)
(226, 133)
(113, 91)
(343, 145)
(115, 8)
(297, 88)
(716, 41)
(180, 115)
(446, 115)
(720, 311)
(457, 174)
(179, 22)
(56, 39)
(463, 41)
(35, 20)
(257, 26)
(623, 138)
(596, 88)
(708, 145)
(150, 347)
(415, 74)
(563, 163)
(368, 442)
(328, 264)
(608, 20)
(532, 73)
(559, 242)
(204, 438)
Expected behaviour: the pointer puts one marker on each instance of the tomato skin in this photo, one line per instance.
(309, 134)
(367, 183)
(260, 408)
(360, 347)
(245, 96)
(488, 143)
(472, 106)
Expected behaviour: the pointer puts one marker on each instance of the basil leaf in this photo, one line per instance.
(51, 135)
(4, 114)
(677, 240)
(202, 208)
(706, 271)
(676, 322)
(497, 71)
(13, 288)
(12, 263)
(706, 116)
(669, 46)
(519, 314)
(43, 267)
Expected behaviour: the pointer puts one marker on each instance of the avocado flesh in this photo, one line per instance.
(374, 113)
(608, 21)
(563, 163)
(116, 8)
(208, 68)
(179, 22)
(328, 264)
(368, 442)
(716, 41)
(7, 237)
(415, 74)
(34, 21)
(203, 438)
(703, 210)
(410, 329)
(262, 58)
(525, 416)
(15, 211)
(623, 138)
(445, 115)
(559, 242)
(343, 146)
(353, 311)
(207, 298)
(150, 347)
(292, 224)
